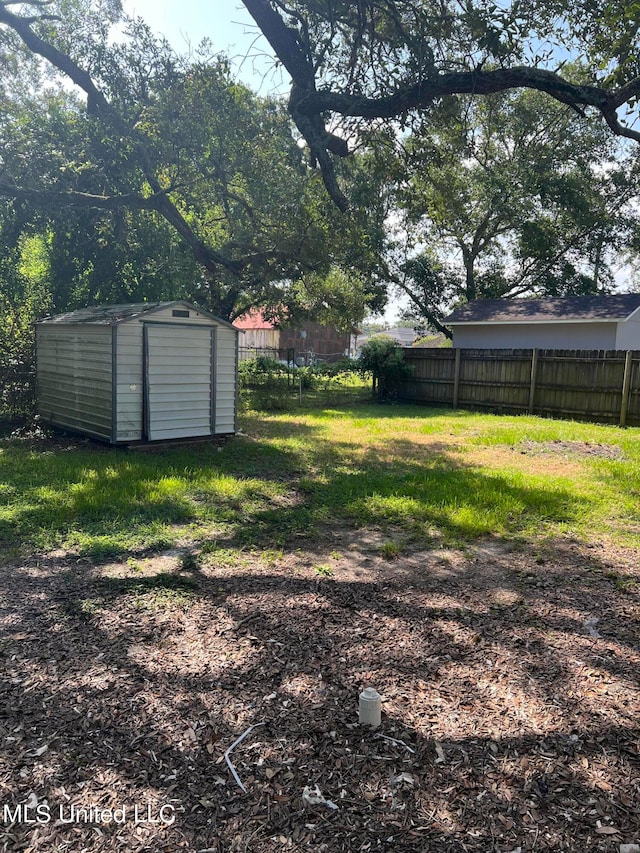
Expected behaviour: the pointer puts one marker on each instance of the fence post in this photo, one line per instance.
(456, 380)
(532, 383)
(626, 387)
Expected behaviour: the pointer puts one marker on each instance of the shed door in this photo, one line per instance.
(179, 375)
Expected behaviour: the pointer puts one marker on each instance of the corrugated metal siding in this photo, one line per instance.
(179, 377)
(130, 388)
(226, 381)
(74, 378)
(76, 366)
(225, 359)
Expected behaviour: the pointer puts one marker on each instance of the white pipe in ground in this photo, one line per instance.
(370, 708)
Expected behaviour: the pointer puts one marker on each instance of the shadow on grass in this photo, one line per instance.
(428, 492)
(270, 490)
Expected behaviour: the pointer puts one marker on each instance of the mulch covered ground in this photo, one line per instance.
(510, 701)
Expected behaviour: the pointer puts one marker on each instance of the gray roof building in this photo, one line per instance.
(573, 322)
(618, 306)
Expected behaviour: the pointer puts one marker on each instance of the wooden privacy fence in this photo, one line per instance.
(595, 385)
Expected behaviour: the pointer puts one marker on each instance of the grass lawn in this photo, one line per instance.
(416, 473)
(480, 571)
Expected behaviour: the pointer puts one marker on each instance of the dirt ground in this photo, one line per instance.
(508, 674)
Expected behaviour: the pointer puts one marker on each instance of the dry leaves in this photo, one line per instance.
(507, 724)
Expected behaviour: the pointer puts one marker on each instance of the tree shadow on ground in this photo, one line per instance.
(265, 492)
(511, 724)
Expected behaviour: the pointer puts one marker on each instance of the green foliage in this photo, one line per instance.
(391, 550)
(513, 195)
(270, 385)
(435, 341)
(24, 298)
(265, 387)
(252, 369)
(198, 189)
(340, 299)
(213, 200)
(381, 358)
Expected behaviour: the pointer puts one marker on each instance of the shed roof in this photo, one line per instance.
(613, 308)
(110, 315)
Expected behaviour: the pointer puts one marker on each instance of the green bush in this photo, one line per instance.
(384, 361)
(265, 384)
(256, 369)
(17, 376)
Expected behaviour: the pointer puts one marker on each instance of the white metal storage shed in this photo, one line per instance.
(147, 372)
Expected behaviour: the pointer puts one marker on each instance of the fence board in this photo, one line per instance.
(580, 384)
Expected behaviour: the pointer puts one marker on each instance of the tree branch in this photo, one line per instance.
(430, 314)
(104, 110)
(285, 43)
(77, 199)
(158, 203)
(39, 4)
(308, 104)
(422, 94)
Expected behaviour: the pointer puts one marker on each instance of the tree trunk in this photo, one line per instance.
(468, 260)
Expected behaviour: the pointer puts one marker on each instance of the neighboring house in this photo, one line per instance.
(403, 336)
(259, 333)
(573, 322)
(303, 344)
(138, 373)
(313, 340)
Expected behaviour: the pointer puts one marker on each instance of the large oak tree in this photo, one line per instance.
(511, 195)
(354, 62)
(146, 139)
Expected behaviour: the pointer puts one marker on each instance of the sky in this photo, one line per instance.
(226, 23)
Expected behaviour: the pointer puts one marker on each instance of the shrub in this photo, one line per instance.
(254, 370)
(384, 361)
(270, 385)
(17, 376)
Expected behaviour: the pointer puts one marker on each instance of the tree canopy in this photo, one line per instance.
(354, 62)
(153, 148)
(147, 174)
(510, 195)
